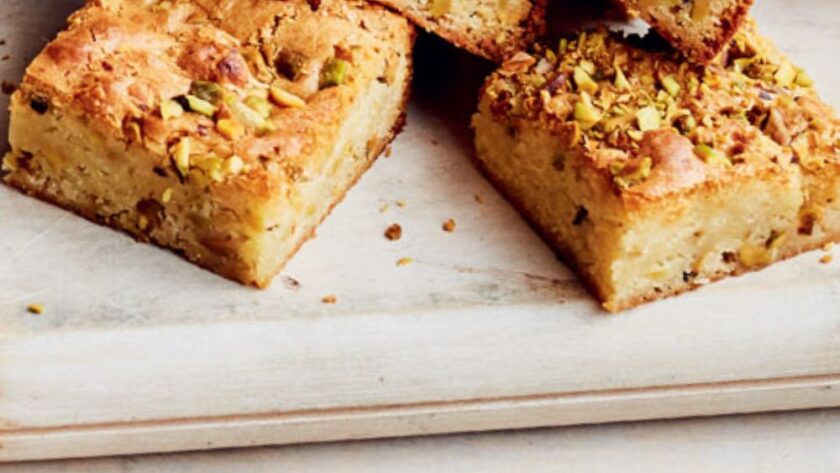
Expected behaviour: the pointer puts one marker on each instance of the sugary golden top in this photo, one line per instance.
(657, 124)
(217, 85)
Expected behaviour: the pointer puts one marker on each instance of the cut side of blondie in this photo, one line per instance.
(224, 130)
(651, 176)
(699, 28)
(494, 29)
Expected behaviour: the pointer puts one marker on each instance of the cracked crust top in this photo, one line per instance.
(655, 126)
(264, 82)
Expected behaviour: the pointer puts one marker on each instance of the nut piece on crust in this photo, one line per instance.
(652, 176)
(225, 130)
(699, 28)
(494, 29)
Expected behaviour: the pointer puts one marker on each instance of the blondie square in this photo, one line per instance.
(225, 130)
(650, 175)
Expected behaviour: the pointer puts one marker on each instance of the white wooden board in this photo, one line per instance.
(139, 351)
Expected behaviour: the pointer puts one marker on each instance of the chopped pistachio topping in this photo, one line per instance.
(334, 72)
(439, 7)
(584, 81)
(210, 164)
(282, 98)
(626, 176)
(207, 91)
(233, 165)
(181, 156)
(585, 113)
(246, 115)
(648, 118)
(259, 104)
(170, 109)
(671, 85)
(712, 156)
(201, 106)
(621, 82)
(230, 128)
(803, 79)
(785, 75)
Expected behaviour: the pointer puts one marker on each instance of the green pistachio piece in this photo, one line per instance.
(803, 79)
(585, 113)
(334, 72)
(625, 180)
(671, 85)
(259, 104)
(247, 115)
(785, 75)
(201, 106)
(648, 118)
(712, 156)
(621, 82)
(584, 81)
(207, 91)
(180, 155)
(170, 109)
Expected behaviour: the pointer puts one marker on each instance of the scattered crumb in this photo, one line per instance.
(449, 225)
(330, 299)
(826, 259)
(435, 142)
(290, 282)
(7, 87)
(828, 246)
(401, 204)
(384, 208)
(404, 261)
(394, 232)
(478, 199)
(388, 152)
(5, 57)
(36, 309)
(2, 42)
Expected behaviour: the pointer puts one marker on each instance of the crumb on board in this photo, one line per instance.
(826, 259)
(329, 299)
(5, 57)
(290, 282)
(449, 225)
(404, 261)
(435, 142)
(8, 88)
(393, 232)
(401, 204)
(384, 208)
(35, 308)
(388, 151)
(478, 199)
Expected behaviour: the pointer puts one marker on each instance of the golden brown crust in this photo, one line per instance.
(700, 50)
(490, 44)
(654, 126)
(260, 91)
(657, 145)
